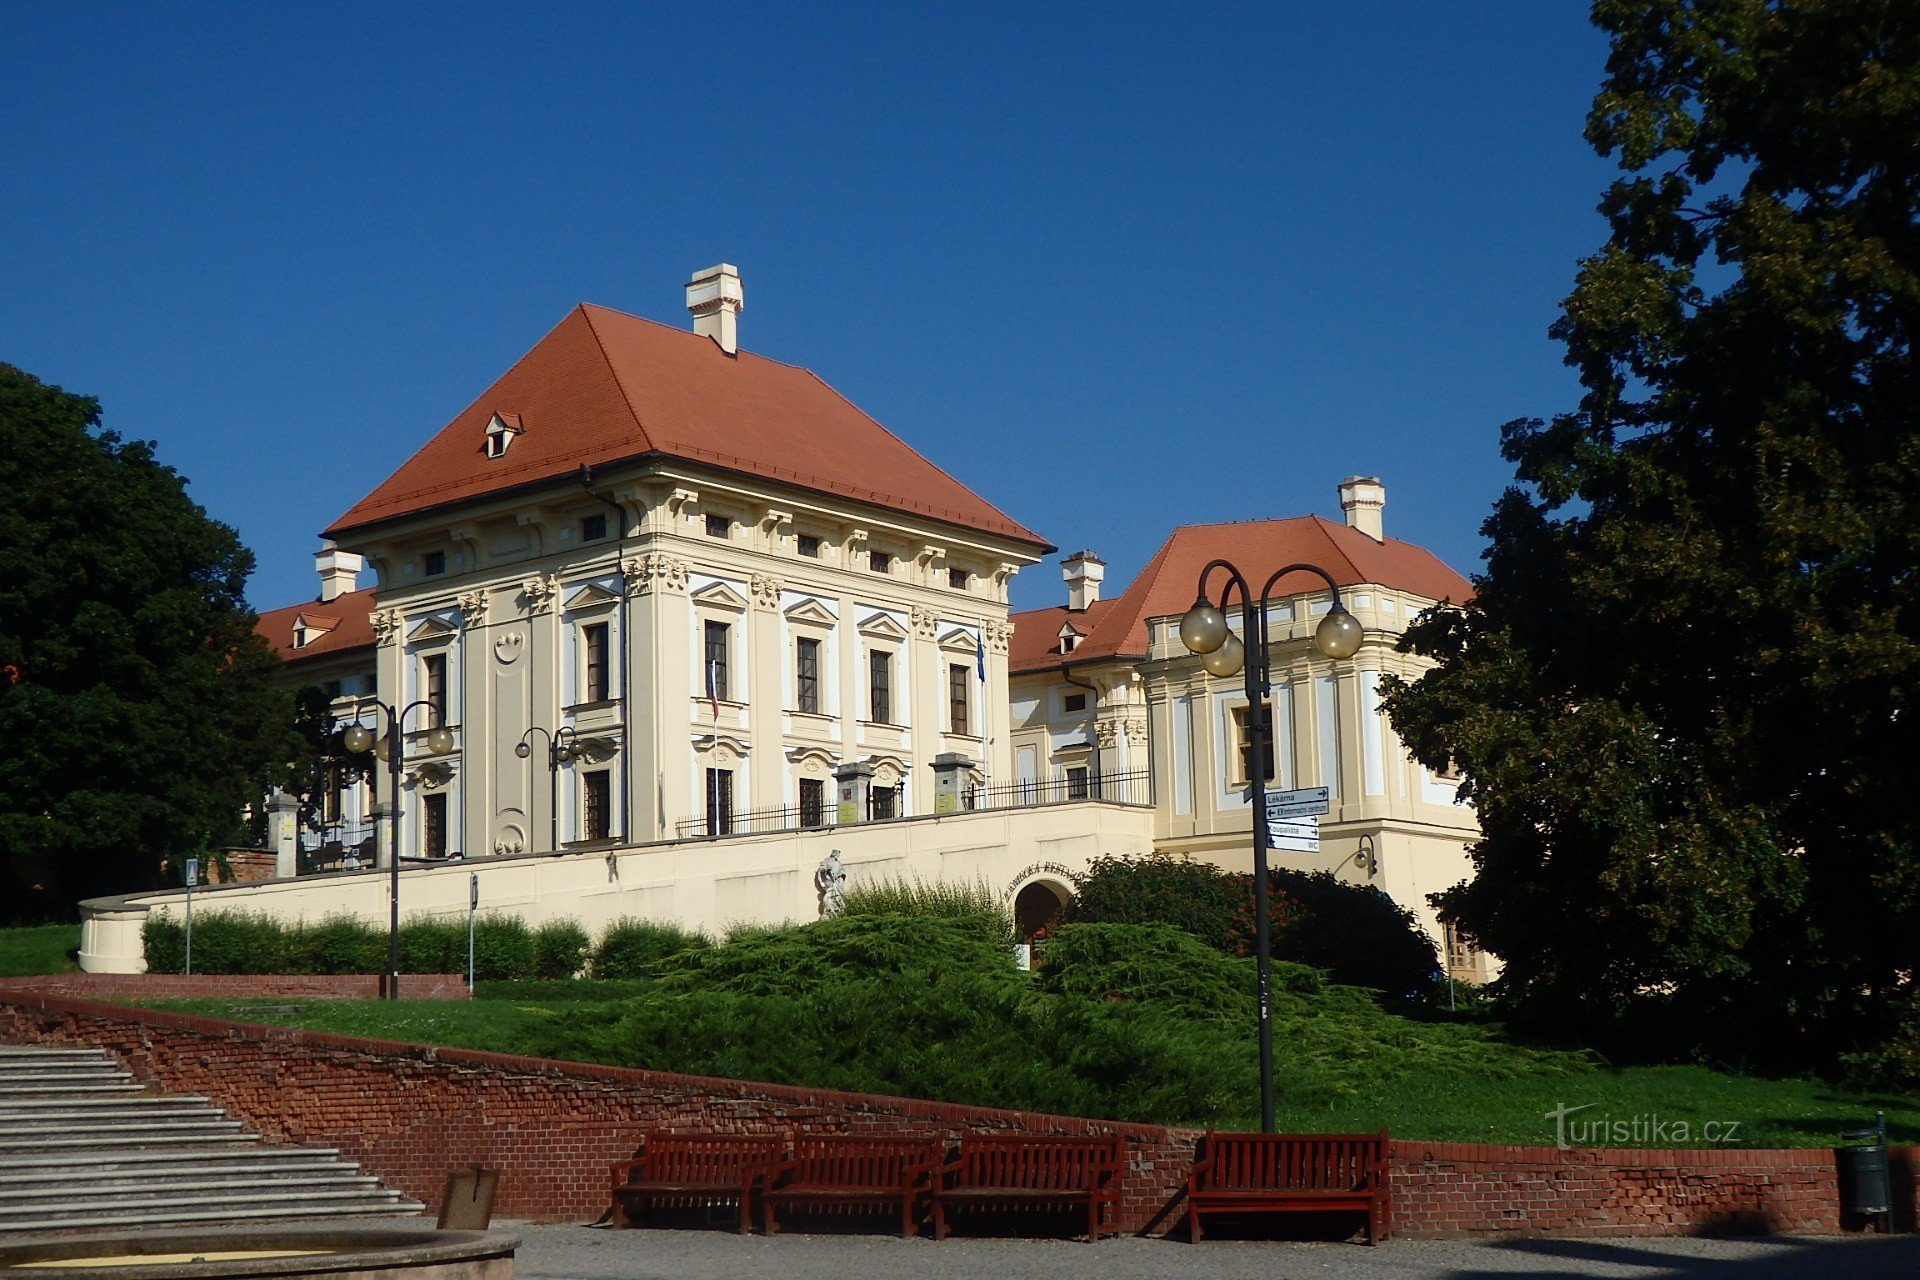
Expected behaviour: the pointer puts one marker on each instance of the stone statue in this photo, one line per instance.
(831, 882)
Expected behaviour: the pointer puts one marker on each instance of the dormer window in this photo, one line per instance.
(1069, 640)
(500, 433)
(299, 635)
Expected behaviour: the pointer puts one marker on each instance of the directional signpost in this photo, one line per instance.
(1293, 818)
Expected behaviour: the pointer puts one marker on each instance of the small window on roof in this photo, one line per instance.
(433, 563)
(593, 528)
(719, 527)
(500, 433)
(808, 546)
(957, 579)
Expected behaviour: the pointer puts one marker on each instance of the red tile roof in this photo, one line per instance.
(603, 387)
(348, 619)
(1166, 586)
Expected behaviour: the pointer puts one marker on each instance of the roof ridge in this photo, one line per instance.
(626, 396)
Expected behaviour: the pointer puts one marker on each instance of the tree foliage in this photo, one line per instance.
(1684, 698)
(138, 713)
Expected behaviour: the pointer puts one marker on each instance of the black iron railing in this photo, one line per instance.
(891, 802)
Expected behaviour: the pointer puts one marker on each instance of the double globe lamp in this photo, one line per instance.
(1204, 630)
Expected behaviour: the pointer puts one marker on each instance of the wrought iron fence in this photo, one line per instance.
(891, 802)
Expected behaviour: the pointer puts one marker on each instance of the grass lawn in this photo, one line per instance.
(46, 948)
(1446, 1104)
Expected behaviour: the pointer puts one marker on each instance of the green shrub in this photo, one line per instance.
(560, 949)
(164, 941)
(431, 944)
(1355, 932)
(631, 947)
(223, 942)
(897, 896)
(339, 944)
(502, 948)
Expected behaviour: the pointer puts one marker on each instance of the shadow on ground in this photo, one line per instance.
(1851, 1258)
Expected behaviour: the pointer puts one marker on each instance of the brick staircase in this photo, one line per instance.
(83, 1145)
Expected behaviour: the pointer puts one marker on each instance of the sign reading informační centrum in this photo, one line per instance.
(1293, 818)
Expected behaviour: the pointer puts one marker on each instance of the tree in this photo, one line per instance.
(138, 710)
(1684, 697)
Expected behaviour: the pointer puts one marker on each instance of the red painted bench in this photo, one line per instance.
(1291, 1172)
(837, 1171)
(690, 1170)
(1027, 1171)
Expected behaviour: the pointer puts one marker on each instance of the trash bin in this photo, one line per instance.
(1865, 1187)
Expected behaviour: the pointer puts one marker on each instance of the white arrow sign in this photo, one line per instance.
(1307, 802)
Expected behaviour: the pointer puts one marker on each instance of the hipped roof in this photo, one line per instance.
(1166, 586)
(605, 387)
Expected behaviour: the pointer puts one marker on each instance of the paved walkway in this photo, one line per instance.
(585, 1253)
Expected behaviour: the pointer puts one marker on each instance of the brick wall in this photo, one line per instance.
(239, 986)
(410, 1113)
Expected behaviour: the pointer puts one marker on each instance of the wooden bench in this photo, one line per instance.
(1027, 1171)
(690, 1170)
(1291, 1172)
(834, 1171)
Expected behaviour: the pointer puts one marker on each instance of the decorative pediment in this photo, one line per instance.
(722, 744)
(721, 596)
(806, 754)
(882, 626)
(810, 610)
(592, 596)
(431, 628)
(959, 640)
(887, 770)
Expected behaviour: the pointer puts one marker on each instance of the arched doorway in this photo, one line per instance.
(1039, 906)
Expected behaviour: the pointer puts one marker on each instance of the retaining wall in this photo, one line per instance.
(410, 1113)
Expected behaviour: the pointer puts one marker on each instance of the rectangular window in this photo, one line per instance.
(958, 674)
(719, 527)
(813, 802)
(883, 802)
(336, 787)
(880, 686)
(879, 562)
(593, 528)
(807, 675)
(1073, 702)
(595, 685)
(434, 563)
(717, 636)
(1242, 747)
(1077, 782)
(433, 826)
(719, 802)
(596, 797)
(808, 546)
(957, 579)
(433, 672)
(331, 688)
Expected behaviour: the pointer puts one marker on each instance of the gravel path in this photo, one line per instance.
(584, 1253)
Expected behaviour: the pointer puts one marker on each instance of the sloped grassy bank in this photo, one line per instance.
(1136, 1022)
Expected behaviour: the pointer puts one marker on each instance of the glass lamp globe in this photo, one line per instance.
(523, 750)
(356, 739)
(1339, 633)
(1227, 659)
(382, 749)
(1203, 628)
(564, 754)
(439, 741)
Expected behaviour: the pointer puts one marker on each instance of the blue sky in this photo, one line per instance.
(1119, 268)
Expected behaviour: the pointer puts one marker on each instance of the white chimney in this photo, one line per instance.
(715, 298)
(1362, 497)
(1084, 572)
(339, 570)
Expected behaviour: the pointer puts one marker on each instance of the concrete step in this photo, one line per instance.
(129, 1111)
(85, 1068)
(46, 1053)
(131, 1136)
(197, 1172)
(132, 1216)
(185, 1120)
(148, 1190)
(220, 1153)
(105, 1086)
(143, 1104)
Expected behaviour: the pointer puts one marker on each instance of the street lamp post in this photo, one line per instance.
(1204, 630)
(561, 747)
(389, 747)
